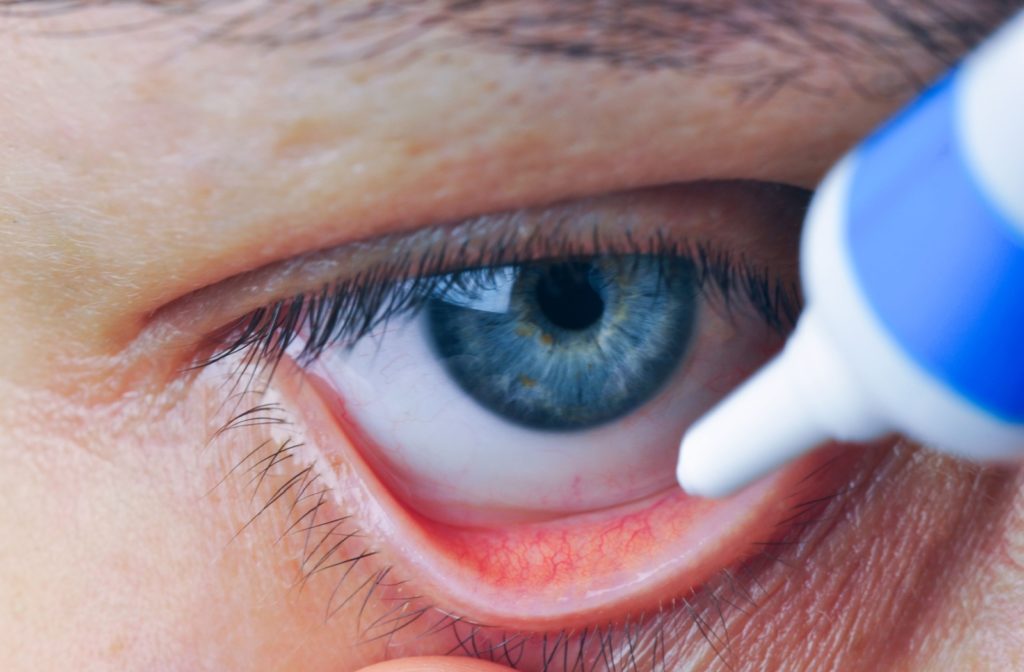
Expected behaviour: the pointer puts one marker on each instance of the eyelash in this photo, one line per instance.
(343, 312)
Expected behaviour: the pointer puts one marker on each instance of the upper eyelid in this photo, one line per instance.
(183, 324)
(201, 312)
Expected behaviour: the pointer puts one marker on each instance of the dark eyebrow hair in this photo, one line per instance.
(853, 37)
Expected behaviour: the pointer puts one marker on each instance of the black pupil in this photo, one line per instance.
(567, 296)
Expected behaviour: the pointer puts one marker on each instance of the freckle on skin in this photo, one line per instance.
(115, 648)
(305, 134)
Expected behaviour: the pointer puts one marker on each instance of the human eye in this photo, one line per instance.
(552, 385)
(495, 406)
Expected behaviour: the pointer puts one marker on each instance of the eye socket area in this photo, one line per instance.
(594, 561)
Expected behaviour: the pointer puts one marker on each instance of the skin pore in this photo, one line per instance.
(151, 152)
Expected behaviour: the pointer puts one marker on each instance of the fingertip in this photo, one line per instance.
(435, 664)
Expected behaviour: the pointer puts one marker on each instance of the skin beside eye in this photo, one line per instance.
(140, 167)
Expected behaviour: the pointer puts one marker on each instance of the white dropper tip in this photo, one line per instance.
(805, 396)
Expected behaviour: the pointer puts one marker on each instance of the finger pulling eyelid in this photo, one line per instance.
(760, 220)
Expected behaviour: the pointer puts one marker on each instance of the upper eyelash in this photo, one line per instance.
(343, 312)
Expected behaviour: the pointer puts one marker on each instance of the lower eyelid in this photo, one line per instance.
(553, 575)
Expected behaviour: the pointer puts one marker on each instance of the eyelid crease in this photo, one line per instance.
(199, 328)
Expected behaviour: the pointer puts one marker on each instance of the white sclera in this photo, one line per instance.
(457, 462)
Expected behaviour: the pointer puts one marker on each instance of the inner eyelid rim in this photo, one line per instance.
(583, 227)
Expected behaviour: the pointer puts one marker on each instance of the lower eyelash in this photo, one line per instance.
(344, 312)
(332, 549)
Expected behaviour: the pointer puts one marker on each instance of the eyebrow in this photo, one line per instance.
(803, 37)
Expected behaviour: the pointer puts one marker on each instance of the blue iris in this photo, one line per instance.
(574, 344)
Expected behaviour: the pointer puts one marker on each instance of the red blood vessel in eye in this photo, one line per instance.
(569, 572)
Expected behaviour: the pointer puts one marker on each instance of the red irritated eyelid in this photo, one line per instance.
(570, 572)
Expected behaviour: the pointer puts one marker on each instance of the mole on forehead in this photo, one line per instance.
(800, 36)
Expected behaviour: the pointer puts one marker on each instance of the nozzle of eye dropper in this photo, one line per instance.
(802, 398)
(912, 262)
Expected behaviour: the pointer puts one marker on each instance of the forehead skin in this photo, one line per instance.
(213, 127)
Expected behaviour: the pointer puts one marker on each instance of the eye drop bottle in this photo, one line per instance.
(912, 263)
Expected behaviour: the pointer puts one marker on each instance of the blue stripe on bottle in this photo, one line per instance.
(941, 267)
